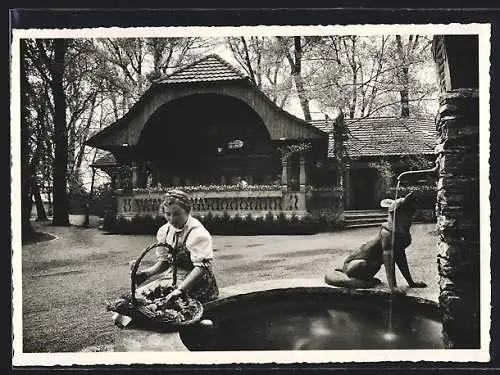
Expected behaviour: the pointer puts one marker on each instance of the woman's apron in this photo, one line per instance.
(205, 288)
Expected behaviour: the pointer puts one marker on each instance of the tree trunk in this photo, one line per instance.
(296, 73)
(88, 204)
(301, 92)
(354, 68)
(26, 203)
(247, 61)
(403, 78)
(40, 209)
(61, 202)
(404, 100)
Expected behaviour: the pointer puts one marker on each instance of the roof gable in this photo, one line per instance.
(381, 136)
(209, 68)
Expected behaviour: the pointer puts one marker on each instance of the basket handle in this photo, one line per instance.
(138, 262)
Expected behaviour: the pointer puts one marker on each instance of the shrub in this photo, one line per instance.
(259, 225)
(249, 224)
(216, 224)
(149, 225)
(282, 224)
(159, 221)
(227, 225)
(269, 226)
(339, 223)
(123, 226)
(137, 224)
(236, 225)
(109, 222)
(307, 225)
(294, 224)
(323, 224)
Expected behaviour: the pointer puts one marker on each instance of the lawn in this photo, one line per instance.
(65, 281)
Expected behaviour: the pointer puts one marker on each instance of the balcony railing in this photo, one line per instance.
(254, 200)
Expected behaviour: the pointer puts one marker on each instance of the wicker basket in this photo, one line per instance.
(138, 308)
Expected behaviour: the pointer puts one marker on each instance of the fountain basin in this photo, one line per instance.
(315, 317)
(299, 314)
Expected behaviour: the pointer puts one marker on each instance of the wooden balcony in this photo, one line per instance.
(233, 202)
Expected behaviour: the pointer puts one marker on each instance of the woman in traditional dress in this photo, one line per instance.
(186, 259)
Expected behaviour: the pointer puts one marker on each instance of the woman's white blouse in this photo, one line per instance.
(199, 242)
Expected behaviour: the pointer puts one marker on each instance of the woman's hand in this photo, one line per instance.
(132, 264)
(173, 294)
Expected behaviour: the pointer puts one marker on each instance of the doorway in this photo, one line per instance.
(364, 189)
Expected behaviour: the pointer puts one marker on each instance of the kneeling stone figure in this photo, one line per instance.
(362, 265)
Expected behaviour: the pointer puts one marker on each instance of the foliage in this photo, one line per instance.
(366, 76)
(207, 188)
(289, 150)
(384, 167)
(263, 62)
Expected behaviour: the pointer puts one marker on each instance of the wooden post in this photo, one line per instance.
(284, 175)
(135, 175)
(302, 174)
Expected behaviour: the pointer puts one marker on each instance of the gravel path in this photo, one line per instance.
(66, 280)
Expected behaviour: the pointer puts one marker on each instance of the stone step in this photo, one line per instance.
(365, 220)
(362, 225)
(354, 212)
(364, 214)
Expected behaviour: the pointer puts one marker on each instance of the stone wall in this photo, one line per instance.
(457, 211)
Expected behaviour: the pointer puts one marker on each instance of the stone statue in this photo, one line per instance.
(387, 248)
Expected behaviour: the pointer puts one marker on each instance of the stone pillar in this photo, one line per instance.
(135, 175)
(347, 185)
(284, 174)
(457, 211)
(302, 174)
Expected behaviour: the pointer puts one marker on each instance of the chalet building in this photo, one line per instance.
(208, 129)
(378, 149)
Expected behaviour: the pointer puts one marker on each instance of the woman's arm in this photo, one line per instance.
(159, 267)
(191, 279)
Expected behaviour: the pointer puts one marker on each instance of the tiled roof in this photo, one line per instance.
(107, 160)
(379, 136)
(209, 68)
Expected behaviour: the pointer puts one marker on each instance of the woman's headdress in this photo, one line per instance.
(179, 197)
